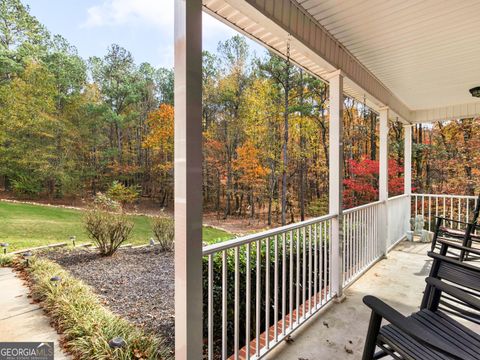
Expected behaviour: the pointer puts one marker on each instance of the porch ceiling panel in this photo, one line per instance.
(426, 52)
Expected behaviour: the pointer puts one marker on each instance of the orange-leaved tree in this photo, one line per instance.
(253, 174)
(160, 142)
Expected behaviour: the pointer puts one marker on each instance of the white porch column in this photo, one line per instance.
(335, 202)
(407, 171)
(188, 179)
(383, 178)
(407, 148)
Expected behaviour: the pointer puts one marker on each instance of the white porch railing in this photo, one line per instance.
(361, 245)
(274, 281)
(398, 218)
(458, 207)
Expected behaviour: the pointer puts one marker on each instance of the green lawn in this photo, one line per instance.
(25, 225)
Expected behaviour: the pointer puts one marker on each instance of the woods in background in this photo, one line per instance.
(445, 159)
(70, 127)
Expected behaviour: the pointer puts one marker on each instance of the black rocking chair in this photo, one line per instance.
(466, 236)
(430, 333)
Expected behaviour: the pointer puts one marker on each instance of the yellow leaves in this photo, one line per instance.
(160, 122)
(160, 138)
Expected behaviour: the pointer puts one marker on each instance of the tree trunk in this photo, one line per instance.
(373, 144)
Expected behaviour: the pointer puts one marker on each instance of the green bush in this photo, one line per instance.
(164, 233)
(318, 207)
(123, 194)
(26, 187)
(86, 325)
(108, 230)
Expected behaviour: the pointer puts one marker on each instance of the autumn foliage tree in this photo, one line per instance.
(362, 185)
(160, 141)
(252, 173)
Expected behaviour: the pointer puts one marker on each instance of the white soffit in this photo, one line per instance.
(426, 52)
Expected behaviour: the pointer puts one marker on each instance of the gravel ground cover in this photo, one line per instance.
(137, 284)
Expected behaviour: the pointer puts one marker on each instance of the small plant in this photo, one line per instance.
(123, 194)
(25, 186)
(106, 203)
(6, 260)
(107, 226)
(164, 233)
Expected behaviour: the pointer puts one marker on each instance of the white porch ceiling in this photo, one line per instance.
(427, 52)
(420, 58)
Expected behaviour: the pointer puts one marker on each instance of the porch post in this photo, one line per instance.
(407, 148)
(335, 202)
(383, 179)
(407, 171)
(188, 179)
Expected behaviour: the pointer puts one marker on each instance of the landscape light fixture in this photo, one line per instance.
(26, 256)
(475, 91)
(4, 246)
(117, 343)
(152, 242)
(72, 239)
(55, 280)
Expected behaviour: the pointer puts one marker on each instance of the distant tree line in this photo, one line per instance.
(70, 127)
(445, 158)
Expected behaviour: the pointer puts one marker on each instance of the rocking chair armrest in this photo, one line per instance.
(458, 246)
(409, 326)
(455, 221)
(454, 291)
(456, 262)
(447, 232)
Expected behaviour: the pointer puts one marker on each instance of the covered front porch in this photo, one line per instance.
(305, 281)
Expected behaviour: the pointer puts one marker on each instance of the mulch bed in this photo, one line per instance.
(137, 284)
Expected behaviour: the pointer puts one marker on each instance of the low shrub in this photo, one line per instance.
(164, 233)
(6, 260)
(106, 226)
(123, 194)
(25, 186)
(107, 230)
(106, 203)
(87, 326)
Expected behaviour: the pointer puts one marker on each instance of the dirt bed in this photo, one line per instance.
(137, 284)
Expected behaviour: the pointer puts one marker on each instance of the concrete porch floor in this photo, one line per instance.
(338, 332)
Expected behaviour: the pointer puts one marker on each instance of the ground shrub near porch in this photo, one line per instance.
(87, 326)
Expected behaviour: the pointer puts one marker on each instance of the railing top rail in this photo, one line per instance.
(361, 207)
(401, 196)
(221, 246)
(446, 196)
